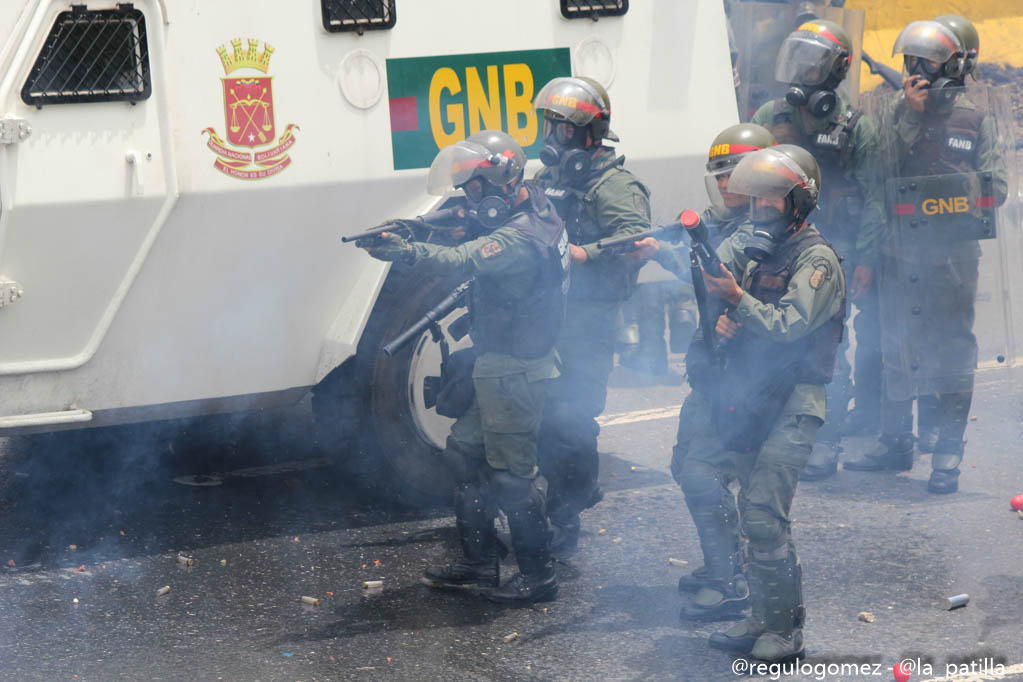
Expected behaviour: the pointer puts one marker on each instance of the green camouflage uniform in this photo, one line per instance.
(767, 475)
(948, 271)
(852, 219)
(613, 203)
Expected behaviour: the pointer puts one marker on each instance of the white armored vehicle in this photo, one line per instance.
(175, 176)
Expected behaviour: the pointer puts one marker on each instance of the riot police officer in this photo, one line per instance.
(814, 59)
(943, 142)
(765, 401)
(517, 302)
(597, 198)
(718, 589)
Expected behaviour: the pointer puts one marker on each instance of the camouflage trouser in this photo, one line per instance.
(568, 439)
(767, 482)
(501, 428)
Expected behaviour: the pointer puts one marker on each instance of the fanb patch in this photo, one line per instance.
(490, 249)
(822, 272)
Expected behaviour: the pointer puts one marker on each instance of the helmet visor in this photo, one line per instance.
(768, 174)
(570, 98)
(806, 58)
(927, 40)
(455, 165)
(717, 184)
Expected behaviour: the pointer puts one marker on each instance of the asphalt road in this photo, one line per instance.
(93, 528)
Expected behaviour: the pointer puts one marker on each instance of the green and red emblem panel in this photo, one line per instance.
(437, 101)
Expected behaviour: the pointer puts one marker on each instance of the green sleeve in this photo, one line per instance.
(503, 252)
(803, 308)
(867, 172)
(989, 158)
(764, 114)
(621, 206)
(731, 254)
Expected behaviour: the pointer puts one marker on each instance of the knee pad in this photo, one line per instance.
(766, 532)
(701, 484)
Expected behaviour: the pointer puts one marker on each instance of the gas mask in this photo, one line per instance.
(819, 101)
(564, 149)
(937, 75)
(487, 204)
(770, 228)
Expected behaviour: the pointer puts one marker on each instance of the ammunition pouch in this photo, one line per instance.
(456, 392)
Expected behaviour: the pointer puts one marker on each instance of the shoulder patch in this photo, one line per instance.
(822, 272)
(740, 238)
(491, 249)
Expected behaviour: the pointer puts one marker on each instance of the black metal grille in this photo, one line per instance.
(591, 9)
(92, 56)
(357, 15)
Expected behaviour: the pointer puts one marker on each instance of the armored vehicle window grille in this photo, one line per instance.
(591, 9)
(92, 56)
(357, 15)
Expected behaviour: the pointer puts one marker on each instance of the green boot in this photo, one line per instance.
(782, 597)
(740, 638)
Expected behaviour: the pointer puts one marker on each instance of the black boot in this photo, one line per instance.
(945, 467)
(892, 453)
(694, 581)
(479, 565)
(531, 538)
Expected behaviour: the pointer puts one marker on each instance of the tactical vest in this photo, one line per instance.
(811, 359)
(947, 145)
(841, 201)
(527, 326)
(613, 279)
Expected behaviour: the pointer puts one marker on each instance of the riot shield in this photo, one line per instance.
(952, 250)
(759, 28)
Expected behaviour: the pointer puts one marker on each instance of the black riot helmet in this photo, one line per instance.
(577, 118)
(814, 59)
(933, 51)
(487, 166)
(967, 34)
(785, 173)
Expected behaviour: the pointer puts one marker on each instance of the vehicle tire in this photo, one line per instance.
(370, 409)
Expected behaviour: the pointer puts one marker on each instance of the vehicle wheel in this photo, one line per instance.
(371, 408)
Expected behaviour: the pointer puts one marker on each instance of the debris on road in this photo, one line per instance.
(75, 600)
(10, 562)
(80, 569)
(72, 547)
(185, 560)
(678, 563)
(1016, 503)
(372, 584)
(617, 540)
(312, 601)
(163, 590)
(223, 562)
(957, 601)
(508, 639)
(865, 616)
(602, 531)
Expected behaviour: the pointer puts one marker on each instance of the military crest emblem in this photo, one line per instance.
(249, 116)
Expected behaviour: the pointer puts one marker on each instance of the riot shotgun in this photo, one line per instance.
(887, 73)
(430, 320)
(432, 220)
(671, 231)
